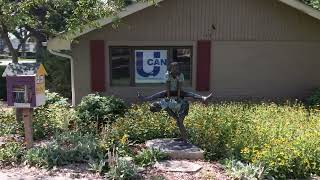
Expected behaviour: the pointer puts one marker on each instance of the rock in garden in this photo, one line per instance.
(178, 166)
(176, 149)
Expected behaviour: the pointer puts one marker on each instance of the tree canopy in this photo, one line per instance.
(43, 18)
(313, 3)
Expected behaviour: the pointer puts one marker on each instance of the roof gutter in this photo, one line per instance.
(57, 53)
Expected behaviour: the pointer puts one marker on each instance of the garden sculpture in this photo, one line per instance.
(172, 100)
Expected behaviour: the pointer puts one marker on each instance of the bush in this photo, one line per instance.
(59, 76)
(55, 98)
(50, 119)
(11, 153)
(140, 124)
(285, 138)
(98, 110)
(314, 99)
(8, 123)
(66, 148)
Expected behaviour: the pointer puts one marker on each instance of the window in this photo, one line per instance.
(147, 65)
(183, 57)
(120, 66)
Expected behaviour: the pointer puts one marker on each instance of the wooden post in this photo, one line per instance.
(27, 119)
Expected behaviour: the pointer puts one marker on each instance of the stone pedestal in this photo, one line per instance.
(176, 149)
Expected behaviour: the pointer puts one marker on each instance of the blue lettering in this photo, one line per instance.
(163, 62)
(156, 62)
(150, 62)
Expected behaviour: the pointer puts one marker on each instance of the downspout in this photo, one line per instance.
(72, 72)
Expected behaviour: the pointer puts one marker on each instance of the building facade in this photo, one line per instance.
(237, 49)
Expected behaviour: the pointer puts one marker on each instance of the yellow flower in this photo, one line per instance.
(124, 139)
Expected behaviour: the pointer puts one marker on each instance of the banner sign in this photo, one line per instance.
(151, 66)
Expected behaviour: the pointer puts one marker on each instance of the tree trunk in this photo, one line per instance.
(6, 39)
(39, 51)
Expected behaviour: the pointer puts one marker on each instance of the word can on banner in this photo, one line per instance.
(150, 66)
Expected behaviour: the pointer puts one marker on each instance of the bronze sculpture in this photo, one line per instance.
(172, 100)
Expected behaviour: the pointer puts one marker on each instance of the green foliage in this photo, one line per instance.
(148, 157)
(50, 119)
(99, 165)
(122, 170)
(8, 123)
(98, 110)
(314, 99)
(11, 153)
(66, 148)
(240, 170)
(313, 3)
(59, 76)
(55, 98)
(141, 125)
(285, 138)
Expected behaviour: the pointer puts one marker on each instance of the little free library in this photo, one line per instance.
(235, 48)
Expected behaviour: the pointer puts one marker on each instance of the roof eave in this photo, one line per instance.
(60, 43)
(63, 42)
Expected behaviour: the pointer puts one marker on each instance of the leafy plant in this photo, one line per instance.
(55, 98)
(314, 99)
(65, 148)
(99, 110)
(120, 168)
(50, 119)
(8, 123)
(98, 165)
(141, 125)
(148, 157)
(11, 153)
(240, 170)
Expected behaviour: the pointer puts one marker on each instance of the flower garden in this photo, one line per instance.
(252, 140)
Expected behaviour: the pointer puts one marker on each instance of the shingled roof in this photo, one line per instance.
(22, 69)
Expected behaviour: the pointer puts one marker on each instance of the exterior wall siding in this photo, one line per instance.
(185, 20)
(264, 69)
(266, 35)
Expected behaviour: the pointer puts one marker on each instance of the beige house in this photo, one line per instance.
(234, 48)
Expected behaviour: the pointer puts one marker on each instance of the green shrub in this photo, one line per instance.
(285, 138)
(98, 110)
(50, 119)
(8, 123)
(141, 125)
(55, 98)
(11, 153)
(148, 157)
(59, 76)
(66, 148)
(314, 99)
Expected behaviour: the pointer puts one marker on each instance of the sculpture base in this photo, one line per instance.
(176, 149)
